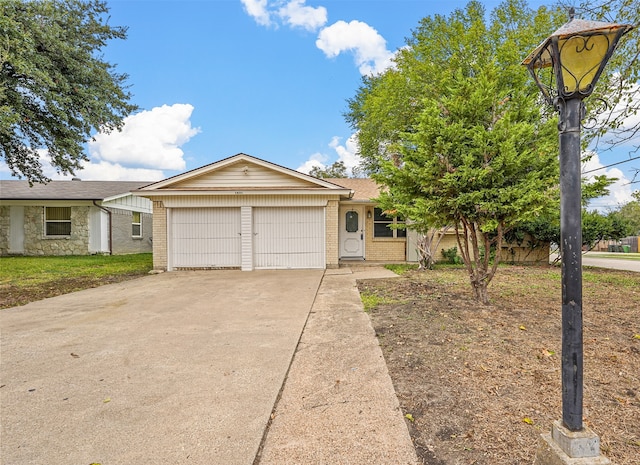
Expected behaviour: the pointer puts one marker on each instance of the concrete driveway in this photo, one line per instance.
(176, 368)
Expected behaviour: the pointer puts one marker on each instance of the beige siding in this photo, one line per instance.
(246, 224)
(243, 174)
(245, 200)
(131, 203)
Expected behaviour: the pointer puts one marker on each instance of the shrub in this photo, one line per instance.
(451, 256)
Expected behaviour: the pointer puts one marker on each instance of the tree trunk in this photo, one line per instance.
(480, 273)
(480, 291)
(428, 247)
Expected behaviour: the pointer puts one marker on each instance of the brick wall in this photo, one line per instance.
(383, 249)
(159, 236)
(332, 240)
(123, 241)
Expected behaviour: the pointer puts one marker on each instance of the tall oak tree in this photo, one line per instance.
(56, 89)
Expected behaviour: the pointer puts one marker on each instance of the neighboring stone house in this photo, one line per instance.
(74, 218)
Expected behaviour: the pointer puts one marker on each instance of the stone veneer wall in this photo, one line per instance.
(5, 219)
(35, 242)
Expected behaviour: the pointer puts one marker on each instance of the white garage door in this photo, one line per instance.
(206, 238)
(289, 237)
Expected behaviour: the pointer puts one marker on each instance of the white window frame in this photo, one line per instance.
(134, 224)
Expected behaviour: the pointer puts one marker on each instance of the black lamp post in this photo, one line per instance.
(566, 67)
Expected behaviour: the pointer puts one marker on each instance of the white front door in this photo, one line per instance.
(351, 224)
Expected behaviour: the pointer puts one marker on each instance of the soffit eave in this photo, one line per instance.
(239, 192)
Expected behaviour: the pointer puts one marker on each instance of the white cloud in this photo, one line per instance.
(631, 120)
(257, 9)
(105, 171)
(347, 154)
(293, 13)
(367, 45)
(316, 160)
(619, 192)
(297, 14)
(149, 139)
(101, 171)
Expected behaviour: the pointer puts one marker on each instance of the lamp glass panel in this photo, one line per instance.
(581, 57)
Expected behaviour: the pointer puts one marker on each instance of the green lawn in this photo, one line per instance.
(620, 255)
(25, 279)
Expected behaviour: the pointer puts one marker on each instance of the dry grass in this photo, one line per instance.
(482, 382)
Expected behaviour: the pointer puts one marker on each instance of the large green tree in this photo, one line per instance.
(456, 133)
(55, 87)
(336, 170)
(596, 226)
(619, 86)
(630, 212)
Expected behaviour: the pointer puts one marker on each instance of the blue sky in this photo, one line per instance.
(268, 78)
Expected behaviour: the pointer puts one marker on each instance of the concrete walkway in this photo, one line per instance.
(338, 405)
(187, 367)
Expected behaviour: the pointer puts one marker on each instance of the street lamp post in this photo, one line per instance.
(566, 67)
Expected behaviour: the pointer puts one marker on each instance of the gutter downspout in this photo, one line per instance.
(108, 212)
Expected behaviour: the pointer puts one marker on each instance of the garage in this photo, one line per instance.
(280, 237)
(243, 212)
(205, 238)
(288, 237)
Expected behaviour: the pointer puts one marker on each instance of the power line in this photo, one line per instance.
(612, 164)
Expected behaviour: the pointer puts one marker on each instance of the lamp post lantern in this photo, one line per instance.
(566, 67)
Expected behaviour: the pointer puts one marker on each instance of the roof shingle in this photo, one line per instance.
(364, 188)
(67, 190)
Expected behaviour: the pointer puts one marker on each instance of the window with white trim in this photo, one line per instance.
(382, 225)
(136, 224)
(57, 221)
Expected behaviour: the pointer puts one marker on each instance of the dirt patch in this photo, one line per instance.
(481, 383)
(13, 296)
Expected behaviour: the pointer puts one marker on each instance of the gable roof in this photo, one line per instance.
(67, 190)
(241, 172)
(365, 189)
